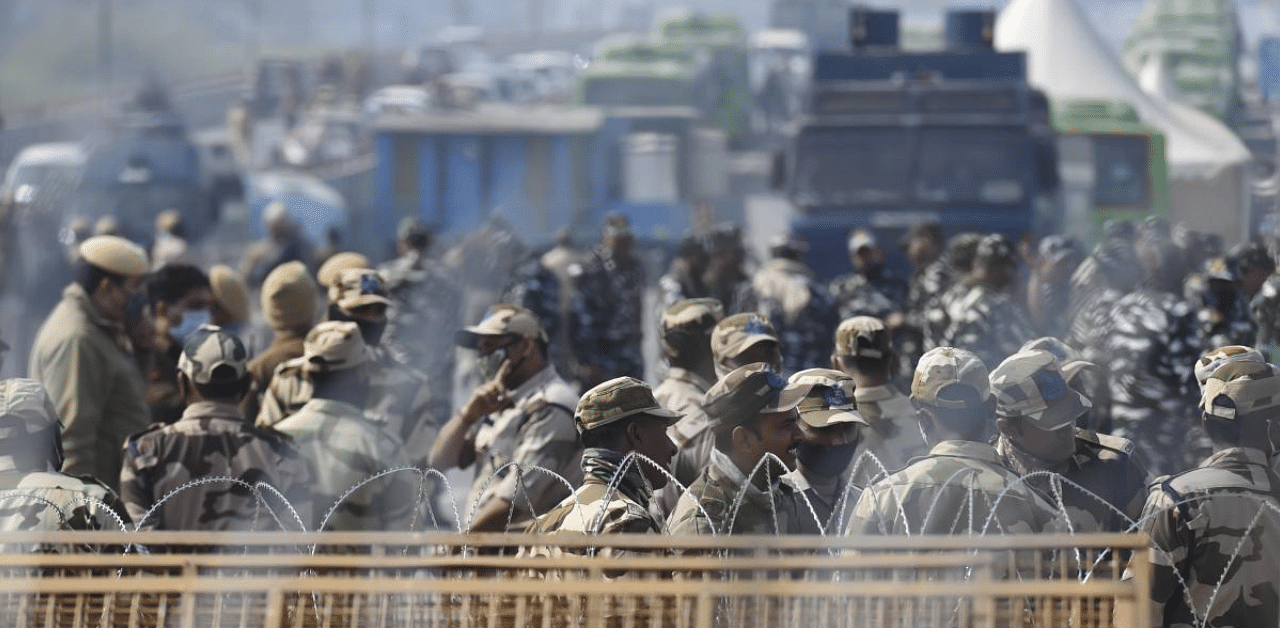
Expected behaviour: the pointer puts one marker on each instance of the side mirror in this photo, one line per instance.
(778, 171)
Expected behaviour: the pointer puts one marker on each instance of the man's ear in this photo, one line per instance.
(744, 439)
(184, 385)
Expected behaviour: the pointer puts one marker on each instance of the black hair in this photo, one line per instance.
(89, 276)
(864, 364)
(971, 422)
(226, 390)
(173, 281)
(724, 432)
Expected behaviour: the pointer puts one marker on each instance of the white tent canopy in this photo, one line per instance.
(1067, 59)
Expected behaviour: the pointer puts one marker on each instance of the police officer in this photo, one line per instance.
(686, 341)
(800, 308)
(830, 427)
(289, 298)
(1222, 308)
(39, 497)
(616, 419)
(961, 487)
(753, 411)
(869, 290)
(984, 317)
(285, 242)
(343, 445)
(82, 358)
(608, 314)
(1036, 417)
(229, 308)
(212, 438)
(337, 263)
(891, 436)
(519, 418)
(1214, 529)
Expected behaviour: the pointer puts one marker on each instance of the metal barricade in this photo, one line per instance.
(278, 580)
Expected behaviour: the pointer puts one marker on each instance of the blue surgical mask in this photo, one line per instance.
(191, 321)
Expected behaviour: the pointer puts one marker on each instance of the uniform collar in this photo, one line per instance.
(966, 449)
(535, 383)
(332, 407)
(212, 409)
(685, 375)
(1237, 455)
(75, 292)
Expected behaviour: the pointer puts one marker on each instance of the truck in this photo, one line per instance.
(719, 40)
(891, 139)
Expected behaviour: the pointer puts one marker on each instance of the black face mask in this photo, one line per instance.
(370, 332)
(826, 461)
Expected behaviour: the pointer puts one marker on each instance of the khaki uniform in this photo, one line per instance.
(1217, 527)
(344, 449)
(537, 431)
(595, 508)
(892, 433)
(85, 364)
(682, 393)
(959, 488)
(213, 440)
(831, 500)
(716, 490)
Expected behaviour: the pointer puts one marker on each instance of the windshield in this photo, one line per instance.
(852, 166)
(45, 175)
(896, 165)
(1121, 169)
(635, 91)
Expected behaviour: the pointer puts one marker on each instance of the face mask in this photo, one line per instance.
(134, 306)
(191, 321)
(489, 365)
(372, 332)
(825, 461)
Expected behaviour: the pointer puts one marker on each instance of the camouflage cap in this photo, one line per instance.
(168, 220)
(861, 239)
(501, 320)
(863, 337)
(748, 391)
(213, 356)
(115, 255)
(230, 291)
(1213, 359)
(828, 398)
(1239, 389)
(25, 408)
(1060, 350)
(944, 367)
(332, 268)
(1218, 268)
(735, 334)
(358, 287)
(1030, 384)
(618, 399)
(689, 318)
(333, 346)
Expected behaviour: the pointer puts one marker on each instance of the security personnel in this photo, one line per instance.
(289, 299)
(608, 314)
(801, 309)
(39, 497)
(520, 418)
(83, 359)
(891, 438)
(230, 307)
(616, 419)
(830, 427)
(212, 438)
(1214, 529)
(984, 317)
(961, 487)
(344, 445)
(686, 341)
(753, 410)
(1036, 414)
(743, 339)
(333, 267)
(869, 290)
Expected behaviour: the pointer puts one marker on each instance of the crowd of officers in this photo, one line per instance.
(979, 397)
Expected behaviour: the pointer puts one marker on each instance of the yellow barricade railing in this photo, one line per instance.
(278, 580)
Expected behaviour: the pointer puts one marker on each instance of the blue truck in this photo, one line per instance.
(892, 138)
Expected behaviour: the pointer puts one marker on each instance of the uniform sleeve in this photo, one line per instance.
(866, 516)
(73, 377)
(136, 483)
(1169, 552)
(547, 440)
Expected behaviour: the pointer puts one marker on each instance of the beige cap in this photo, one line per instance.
(501, 320)
(115, 255)
(213, 356)
(289, 297)
(689, 320)
(358, 287)
(230, 291)
(168, 220)
(748, 391)
(1212, 360)
(1239, 389)
(828, 398)
(333, 346)
(735, 334)
(1030, 384)
(863, 337)
(944, 367)
(332, 268)
(618, 399)
(1060, 350)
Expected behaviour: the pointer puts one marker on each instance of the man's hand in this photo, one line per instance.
(488, 398)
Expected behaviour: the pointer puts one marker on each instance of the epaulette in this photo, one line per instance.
(290, 367)
(1106, 441)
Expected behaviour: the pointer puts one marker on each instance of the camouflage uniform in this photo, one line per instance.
(588, 512)
(1217, 528)
(682, 392)
(425, 298)
(536, 288)
(721, 484)
(892, 434)
(1223, 318)
(608, 315)
(1265, 312)
(34, 495)
(1152, 347)
(856, 296)
(801, 309)
(961, 487)
(536, 431)
(213, 440)
(987, 322)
